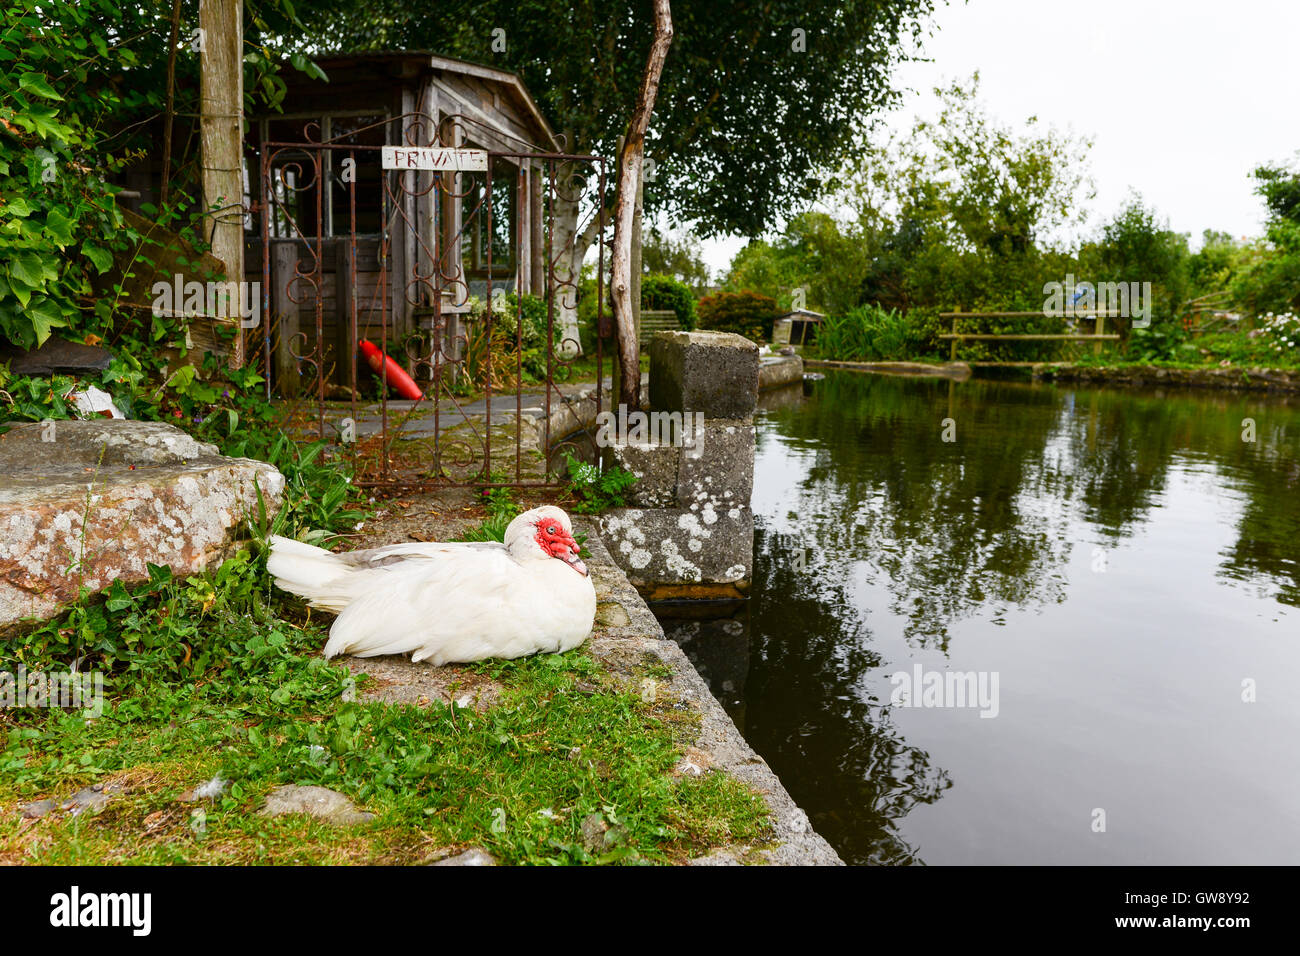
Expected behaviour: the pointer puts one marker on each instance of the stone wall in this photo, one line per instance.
(688, 531)
(1235, 379)
(626, 636)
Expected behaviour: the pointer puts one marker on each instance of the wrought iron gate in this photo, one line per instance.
(430, 266)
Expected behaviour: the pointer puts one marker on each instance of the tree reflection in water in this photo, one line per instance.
(874, 502)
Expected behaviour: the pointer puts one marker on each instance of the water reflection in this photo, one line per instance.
(1062, 538)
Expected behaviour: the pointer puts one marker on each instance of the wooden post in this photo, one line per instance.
(402, 227)
(1099, 330)
(952, 354)
(616, 367)
(284, 256)
(346, 296)
(221, 103)
(524, 230)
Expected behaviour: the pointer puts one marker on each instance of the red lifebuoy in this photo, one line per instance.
(390, 371)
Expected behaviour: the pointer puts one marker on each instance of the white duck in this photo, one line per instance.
(452, 602)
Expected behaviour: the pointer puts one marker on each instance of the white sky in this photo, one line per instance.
(1183, 98)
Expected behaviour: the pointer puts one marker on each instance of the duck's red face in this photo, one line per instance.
(558, 543)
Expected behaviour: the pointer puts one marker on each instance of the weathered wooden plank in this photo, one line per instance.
(345, 346)
(536, 183)
(504, 132)
(284, 256)
(1030, 338)
(523, 229)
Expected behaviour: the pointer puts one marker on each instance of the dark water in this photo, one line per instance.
(1123, 563)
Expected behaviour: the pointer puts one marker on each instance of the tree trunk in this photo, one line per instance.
(221, 102)
(570, 242)
(630, 162)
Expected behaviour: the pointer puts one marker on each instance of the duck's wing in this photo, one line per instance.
(395, 553)
(423, 600)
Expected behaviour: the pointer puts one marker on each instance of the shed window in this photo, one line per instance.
(475, 240)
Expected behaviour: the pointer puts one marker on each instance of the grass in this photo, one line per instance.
(215, 676)
(566, 743)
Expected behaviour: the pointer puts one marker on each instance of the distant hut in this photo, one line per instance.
(797, 327)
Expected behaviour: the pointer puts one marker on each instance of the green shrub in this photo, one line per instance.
(867, 334)
(596, 489)
(1282, 333)
(507, 309)
(1160, 343)
(59, 224)
(587, 310)
(745, 313)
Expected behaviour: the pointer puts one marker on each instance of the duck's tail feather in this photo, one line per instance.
(308, 572)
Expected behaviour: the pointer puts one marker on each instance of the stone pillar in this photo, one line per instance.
(688, 531)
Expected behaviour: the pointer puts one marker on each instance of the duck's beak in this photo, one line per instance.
(573, 560)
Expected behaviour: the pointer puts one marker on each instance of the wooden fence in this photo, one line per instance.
(1098, 335)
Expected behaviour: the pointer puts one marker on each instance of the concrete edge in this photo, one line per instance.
(959, 371)
(776, 371)
(622, 646)
(1233, 378)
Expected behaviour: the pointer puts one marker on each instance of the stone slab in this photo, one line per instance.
(656, 467)
(711, 373)
(87, 503)
(718, 473)
(777, 370)
(685, 552)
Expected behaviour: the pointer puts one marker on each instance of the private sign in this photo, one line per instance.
(450, 160)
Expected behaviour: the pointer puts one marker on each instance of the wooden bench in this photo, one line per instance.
(657, 320)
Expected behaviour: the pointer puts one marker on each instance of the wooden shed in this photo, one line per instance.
(330, 229)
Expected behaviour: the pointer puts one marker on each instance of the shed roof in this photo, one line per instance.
(409, 63)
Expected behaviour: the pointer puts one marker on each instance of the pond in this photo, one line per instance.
(1095, 592)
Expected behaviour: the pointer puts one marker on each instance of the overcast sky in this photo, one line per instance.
(1183, 98)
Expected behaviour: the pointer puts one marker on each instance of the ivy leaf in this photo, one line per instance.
(35, 83)
(27, 269)
(20, 292)
(101, 257)
(45, 316)
(58, 227)
(18, 206)
(40, 120)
